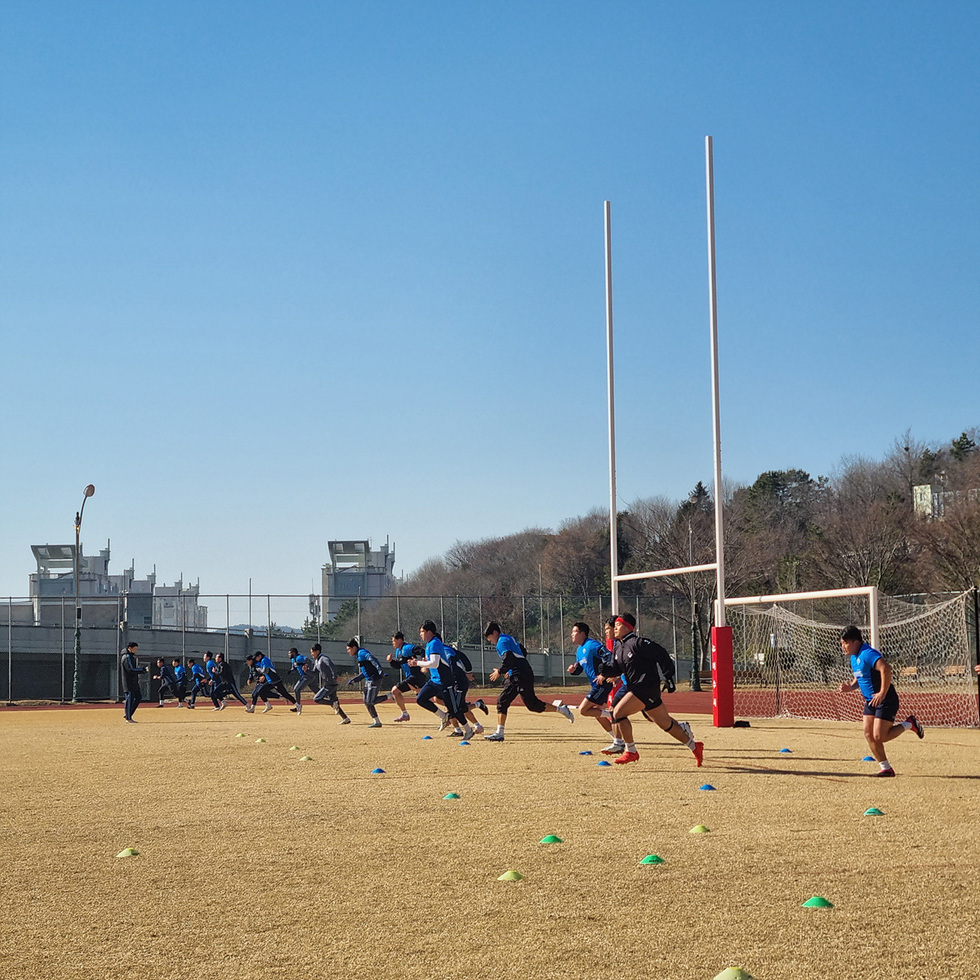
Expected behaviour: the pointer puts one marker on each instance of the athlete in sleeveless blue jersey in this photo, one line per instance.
(371, 673)
(873, 677)
(518, 679)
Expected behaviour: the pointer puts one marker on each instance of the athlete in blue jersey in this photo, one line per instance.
(371, 673)
(518, 679)
(168, 682)
(590, 659)
(223, 684)
(412, 678)
(873, 677)
(440, 660)
(199, 680)
(268, 682)
(302, 666)
(180, 672)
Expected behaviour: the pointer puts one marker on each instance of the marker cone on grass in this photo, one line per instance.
(127, 852)
(873, 811)
(700, 829)
(734, 973)
(375, 771)
(551, 839)
(511, 876)
(451, 796)
(817, 903)
(652, 859)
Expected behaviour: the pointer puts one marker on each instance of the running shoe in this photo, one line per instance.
(190, 706)
(375, 724)
(468, 733)
(456, 733)
(443, 723)
(248, 707)
(299, 708)
(479, 704)
(563, 709)
(160, 705)
(477, 729)
(916, 727)
(885, 772)
(494, 737)
(344, 721)
(268, 707)
(613, 749)
(402, 717)
(627, 757)
(698, 753)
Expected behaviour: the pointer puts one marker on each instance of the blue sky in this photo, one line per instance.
(272, 274)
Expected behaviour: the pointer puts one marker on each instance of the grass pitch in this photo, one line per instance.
(255, 864)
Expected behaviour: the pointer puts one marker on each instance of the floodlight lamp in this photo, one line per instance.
(89, 490)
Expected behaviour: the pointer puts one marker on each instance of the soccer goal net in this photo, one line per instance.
(788, 660)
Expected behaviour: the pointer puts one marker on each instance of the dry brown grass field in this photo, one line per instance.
(254, 863)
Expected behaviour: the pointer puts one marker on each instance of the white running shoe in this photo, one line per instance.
(616, 748)
(478, 729)
(268, 707)
(563, 709)
(468, 732)
(494, 737)
(443, 721)
(402, 717)
(249, 708)
(344, 721)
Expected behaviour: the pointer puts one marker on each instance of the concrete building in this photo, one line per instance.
(355, 570)
(107, 599)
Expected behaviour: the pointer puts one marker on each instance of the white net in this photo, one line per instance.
(788, 660)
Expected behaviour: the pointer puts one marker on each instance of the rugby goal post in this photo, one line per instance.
(722, 683)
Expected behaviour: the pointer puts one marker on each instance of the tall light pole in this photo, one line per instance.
(87, 492)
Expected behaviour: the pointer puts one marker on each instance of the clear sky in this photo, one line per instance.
(276, 273)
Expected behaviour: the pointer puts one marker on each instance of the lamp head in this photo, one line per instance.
(89, 490)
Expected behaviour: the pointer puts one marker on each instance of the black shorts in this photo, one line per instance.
(409, 684)
(887, 709)
(649, 695)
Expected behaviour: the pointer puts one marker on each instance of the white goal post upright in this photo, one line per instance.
(721, 635)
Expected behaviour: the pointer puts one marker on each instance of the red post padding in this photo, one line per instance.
(722, 678)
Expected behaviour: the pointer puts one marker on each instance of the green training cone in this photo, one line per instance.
(551, 839)
(240, 735)
(451, 796)
(306, 758)
(734, 973)
(128, 852)
(260, 740)
(511, 876)
(873, 811)
(293, 748)
(652, 859)
(817, 903)
(700, 829)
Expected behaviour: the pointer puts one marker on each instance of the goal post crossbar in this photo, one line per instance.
(871, 591)
(633, 576)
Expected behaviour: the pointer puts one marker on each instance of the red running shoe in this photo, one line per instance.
(916, 727)
(698, 753)
(885, 772)
(627, 757)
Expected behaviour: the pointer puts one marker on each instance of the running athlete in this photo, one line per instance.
(302, 666)
(518, 679)
(180, 672)
(463, 677)
(641, 661)
(873, 676)
(199, 680)
(371, 674)
(590, 659)
(324, 668)
(270, 681)
(439, 661)
(412, 678)
(168, 682)
(223, 684)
